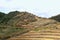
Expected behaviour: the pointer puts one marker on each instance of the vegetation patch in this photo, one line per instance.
(9, 31)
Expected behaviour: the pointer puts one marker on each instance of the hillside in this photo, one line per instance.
(57, 18)
(16, 16)
(1, 16)
(25, 26)
(43, 29)
(13, 22)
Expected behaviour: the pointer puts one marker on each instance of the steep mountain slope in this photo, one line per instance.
(22, 19)
(57, 18)
(1, 16)
(26, 26)
(43, 29)
(13, 22)
(16, 16)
